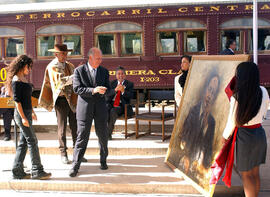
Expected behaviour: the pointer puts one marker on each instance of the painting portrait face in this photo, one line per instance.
(210, 93)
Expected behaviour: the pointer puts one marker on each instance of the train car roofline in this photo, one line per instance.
(86, 4)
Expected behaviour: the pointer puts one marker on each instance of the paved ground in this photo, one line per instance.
(135, 165)
(80, 194)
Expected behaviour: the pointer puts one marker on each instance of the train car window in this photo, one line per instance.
(131, 43)
(191, 32)
(181, 24)
(13, 39)
(59, 29)
(119, 39)
(106, 43)
(245, 22)
(194, 41)
(44, 44)
(118, 27)
(73, 42)
(167, 42)
(48, 36)
(9, 31)
(14, 47)
(232, 35)
(263, 40)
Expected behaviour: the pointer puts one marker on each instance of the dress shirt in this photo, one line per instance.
(93, 72)
(178, 90)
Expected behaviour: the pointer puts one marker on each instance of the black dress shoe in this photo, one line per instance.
(84, 160)
(73, 173)
(103, 166)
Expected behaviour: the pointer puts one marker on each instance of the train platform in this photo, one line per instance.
(136, 166)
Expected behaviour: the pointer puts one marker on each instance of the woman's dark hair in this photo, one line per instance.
(247, 92)
(16, 66)
(187, 57)
(229, 42)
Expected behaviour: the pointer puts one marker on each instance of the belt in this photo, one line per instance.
(61, 97)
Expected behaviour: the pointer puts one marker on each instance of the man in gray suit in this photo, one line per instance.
(91, 82)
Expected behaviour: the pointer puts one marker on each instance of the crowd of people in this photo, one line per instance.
(84, 94)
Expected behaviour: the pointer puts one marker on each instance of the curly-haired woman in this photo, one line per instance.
(21, 89)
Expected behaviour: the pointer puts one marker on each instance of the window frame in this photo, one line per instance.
(184, 40)
(115, 42)
(118, 39)
(177, 44)
(131, 55)
(5, 42)
(241, 42)
(248, 36)
(181, 37)
(61, 35)
(250, 40)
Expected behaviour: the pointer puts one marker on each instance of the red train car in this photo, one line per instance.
(147, 40)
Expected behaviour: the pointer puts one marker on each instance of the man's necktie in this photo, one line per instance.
(94, 76)
(117, 99)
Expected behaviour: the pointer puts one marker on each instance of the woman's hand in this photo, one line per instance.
(25, 122)
(223, 140)
(34, 116)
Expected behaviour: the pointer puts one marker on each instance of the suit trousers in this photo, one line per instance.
(8, 114)
(99, 115)
(63, 112)
(114, 113)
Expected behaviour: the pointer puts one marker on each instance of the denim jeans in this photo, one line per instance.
(28, 139)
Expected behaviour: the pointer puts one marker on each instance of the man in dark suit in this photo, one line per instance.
(91, 82)
(230, 48)
(120, 95)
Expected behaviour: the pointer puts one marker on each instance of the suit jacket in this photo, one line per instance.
(83, 86)
(196, 142)
(226, 52)
(54, 82)
(124, 98)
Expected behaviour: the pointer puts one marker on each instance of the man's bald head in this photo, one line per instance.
(95, 57)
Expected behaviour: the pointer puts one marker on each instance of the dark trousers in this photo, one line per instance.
(27, 139)
(114, 113)
(8, 114)
(99, 115)
(63, 112)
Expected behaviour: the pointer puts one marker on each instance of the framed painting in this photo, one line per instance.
(201, 119)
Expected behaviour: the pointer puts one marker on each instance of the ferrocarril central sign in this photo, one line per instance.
(143, 11)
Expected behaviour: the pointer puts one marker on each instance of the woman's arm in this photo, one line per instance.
(20, 110)
(34, 116)
(231, 119)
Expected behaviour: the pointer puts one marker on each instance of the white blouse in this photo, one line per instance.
(255, 120)
(177, 90)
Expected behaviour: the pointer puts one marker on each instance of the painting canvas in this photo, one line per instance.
(201, 119)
